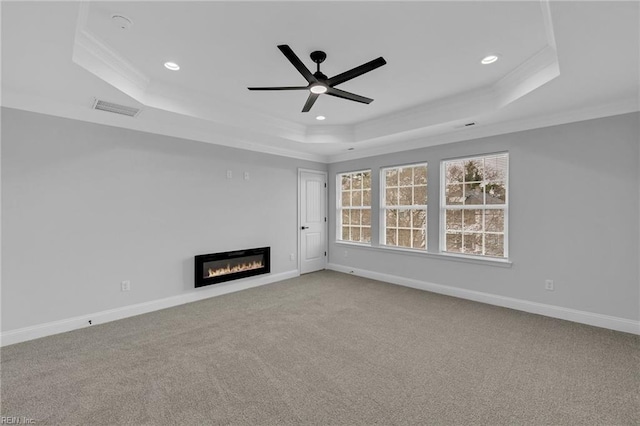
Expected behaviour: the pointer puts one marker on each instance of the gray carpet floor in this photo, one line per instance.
(327, 349)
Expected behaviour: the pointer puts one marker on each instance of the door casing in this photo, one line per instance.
(300, 219)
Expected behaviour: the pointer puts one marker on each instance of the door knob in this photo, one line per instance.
(304, 227)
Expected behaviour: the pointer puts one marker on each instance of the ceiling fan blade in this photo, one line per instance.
(348, 95)
(357, 71)
(310, 101)
(279, 88)
(296, 62)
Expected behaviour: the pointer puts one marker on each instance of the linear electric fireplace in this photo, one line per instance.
(231, 265)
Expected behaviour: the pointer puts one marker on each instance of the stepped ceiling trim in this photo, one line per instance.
(100, 59)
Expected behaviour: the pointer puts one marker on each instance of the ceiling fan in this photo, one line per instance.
(320, 83)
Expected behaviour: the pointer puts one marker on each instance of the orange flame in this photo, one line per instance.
(233, 269)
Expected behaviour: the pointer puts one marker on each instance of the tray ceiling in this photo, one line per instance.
(433, 83)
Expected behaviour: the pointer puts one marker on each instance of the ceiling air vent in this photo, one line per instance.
(115, 108)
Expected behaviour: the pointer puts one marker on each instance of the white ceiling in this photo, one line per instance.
(559, 62)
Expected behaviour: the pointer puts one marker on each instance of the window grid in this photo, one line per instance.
(474, 206)
(354, 206)
(404, 206)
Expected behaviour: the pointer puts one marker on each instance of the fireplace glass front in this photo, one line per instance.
(232, 265)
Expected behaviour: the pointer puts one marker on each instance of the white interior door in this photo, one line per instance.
(312, 210)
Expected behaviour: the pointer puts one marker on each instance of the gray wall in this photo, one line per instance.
(573, 218)
(85, 206)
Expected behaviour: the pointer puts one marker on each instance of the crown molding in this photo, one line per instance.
(617, 107)
(545, 5)
(164, 123)
(533, 73)
(536, 71)
(97, 57)
(201, 117)
(203, 131)
(223, 112)
(94, 55)
(447, 110)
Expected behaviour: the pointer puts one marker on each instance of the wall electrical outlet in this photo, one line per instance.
(125, 285)
(229, 174)
(346, 253)
(292, 256)
(548, 285)
(246, 175)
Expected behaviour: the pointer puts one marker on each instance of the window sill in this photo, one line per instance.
(354, 244)
(488, 261)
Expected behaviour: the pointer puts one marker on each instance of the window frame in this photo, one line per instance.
(382, 191)
(442, 237)
(340, 207)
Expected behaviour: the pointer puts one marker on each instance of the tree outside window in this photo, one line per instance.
(474, 205)
(404, 206)
(354, 206)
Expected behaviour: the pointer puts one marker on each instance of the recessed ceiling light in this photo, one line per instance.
(171, 66)
(489, 59)
(320, 117)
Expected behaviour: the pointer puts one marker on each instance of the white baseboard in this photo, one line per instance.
(584, 317)
(62, 326)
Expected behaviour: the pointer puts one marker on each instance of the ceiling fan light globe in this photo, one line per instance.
(318, 89)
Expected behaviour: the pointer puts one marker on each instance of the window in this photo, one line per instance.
(474, 206)
(404, 206)
(354, 206)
